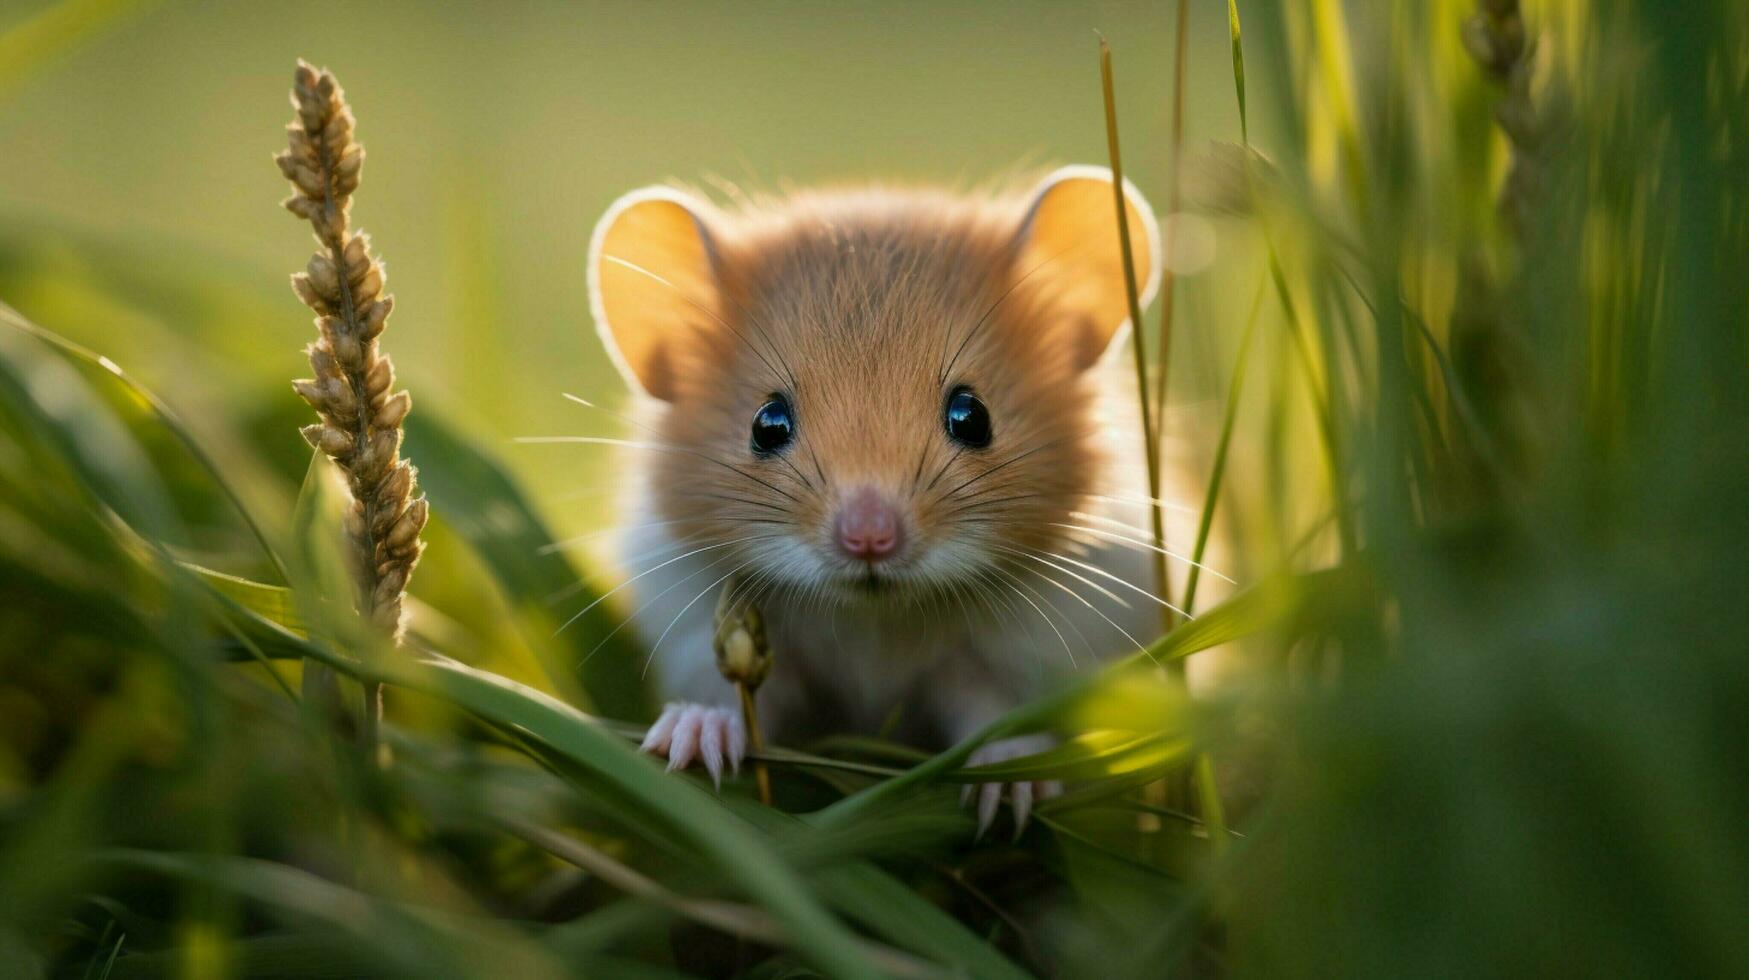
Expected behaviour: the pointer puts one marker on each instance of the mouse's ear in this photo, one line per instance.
(1069, 244)
(652, 278)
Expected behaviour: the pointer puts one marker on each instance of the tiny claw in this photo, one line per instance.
(1020, 795)
(687, 733)
(989, 795)
(658, 737)
(710, 751)
(685, 743)
(737, 743)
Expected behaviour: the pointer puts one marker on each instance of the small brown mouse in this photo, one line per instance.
(895, 419)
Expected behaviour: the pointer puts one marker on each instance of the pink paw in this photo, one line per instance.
(1021, 795)
(688, 732)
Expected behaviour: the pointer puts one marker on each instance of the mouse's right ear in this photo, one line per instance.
(652, 279)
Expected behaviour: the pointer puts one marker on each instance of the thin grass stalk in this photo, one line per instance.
(1239, 74)
(1175, 790)
(1169, 234)
(1495, 37)
(353, 391)
(1330, 41)
(732, 918)
(1138, 345)
(1218, 471)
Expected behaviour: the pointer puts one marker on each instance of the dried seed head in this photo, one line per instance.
(308, 292)
(395, 409)
(352, 391)
(357, 255)
(380, 376)
(407, 528)
(397, 484)
(324, 278)
(312, 394)
(377, 316)
(368, 285)
(743, 654)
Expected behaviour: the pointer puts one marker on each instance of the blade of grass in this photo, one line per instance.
(421, 942)
(690, 812)
(886, 905)
(728, 917)
(1169, 234)
(1137, 341)
(1218, 471)
(165, 414)
(1288, 602)
(1239, 71)
(475, 496)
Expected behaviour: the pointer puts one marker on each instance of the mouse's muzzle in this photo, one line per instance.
(869, 527)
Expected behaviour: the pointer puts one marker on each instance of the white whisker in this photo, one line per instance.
(1042, 557)
(603, 597)
(1041, 613)
(1147, 545)
(1139, 645)
(636, 612)
(679, 615)
(1143, 500)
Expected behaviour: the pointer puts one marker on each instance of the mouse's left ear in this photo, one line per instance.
(1069, 243)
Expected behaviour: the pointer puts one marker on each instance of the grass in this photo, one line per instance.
(1477, 446)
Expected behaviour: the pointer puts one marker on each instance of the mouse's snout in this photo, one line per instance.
(869, 526)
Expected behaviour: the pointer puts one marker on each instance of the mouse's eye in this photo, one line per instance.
(966, 419)
(774, 425)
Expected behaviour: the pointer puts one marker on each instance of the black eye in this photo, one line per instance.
(966, 419)
(774, 425)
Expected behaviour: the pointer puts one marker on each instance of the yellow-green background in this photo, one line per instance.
(497, 133)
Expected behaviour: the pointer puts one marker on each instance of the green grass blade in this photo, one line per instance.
(1239, 71)
(407, 939)
(881, 902)
(474, 495)
(165, 415)
(274, 603)
(1283, 602)
(1091, 755)
(1138, 345)
(1218, 471)
(689, 812)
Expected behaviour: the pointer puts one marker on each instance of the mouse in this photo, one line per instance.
(899, 420)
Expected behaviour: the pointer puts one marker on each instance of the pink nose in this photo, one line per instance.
(868, 526)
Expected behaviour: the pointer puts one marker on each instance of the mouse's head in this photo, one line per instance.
(872, 395)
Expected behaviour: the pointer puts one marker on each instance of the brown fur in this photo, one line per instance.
(865, 309)
(852, 306)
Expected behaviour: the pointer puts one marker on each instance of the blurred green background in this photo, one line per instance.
(1465, 377)
(136, 164)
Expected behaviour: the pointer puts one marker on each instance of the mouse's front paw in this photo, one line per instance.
(688, 732)
(1021, 795)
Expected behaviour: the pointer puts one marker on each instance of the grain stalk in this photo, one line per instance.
(353, 388)
(1175, 791)
(1169, 233)
(1496, 39)
(1487, 347)
(744, 660)
(1150, 443)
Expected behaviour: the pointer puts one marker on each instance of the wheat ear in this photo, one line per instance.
(353, 390)
(1496, 39)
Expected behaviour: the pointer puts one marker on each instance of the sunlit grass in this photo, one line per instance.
(1477, 447)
